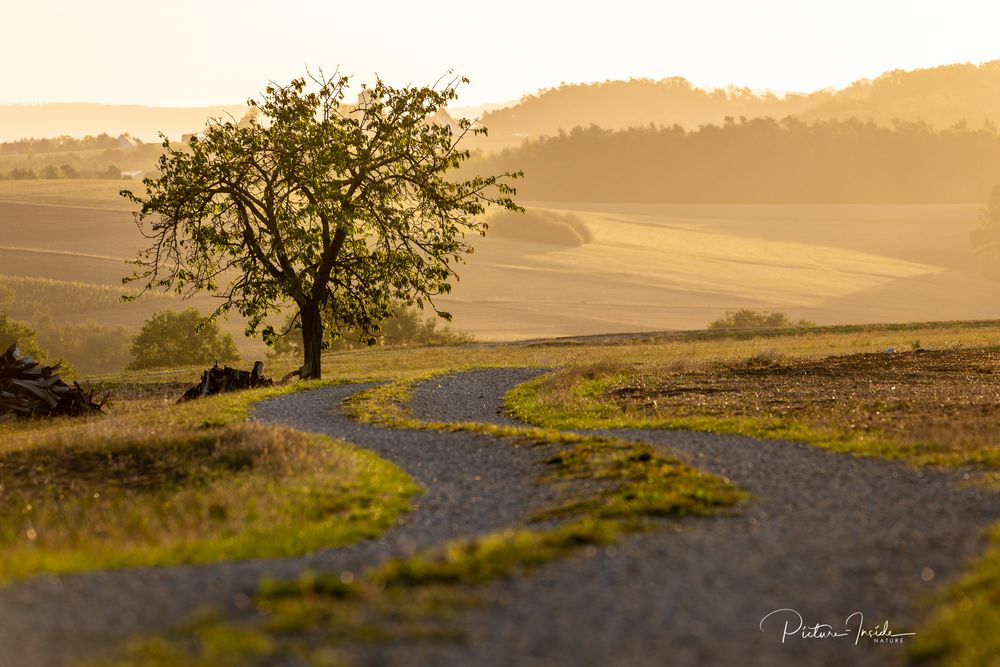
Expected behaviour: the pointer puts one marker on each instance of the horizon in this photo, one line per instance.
(592, 44)
(760, 92)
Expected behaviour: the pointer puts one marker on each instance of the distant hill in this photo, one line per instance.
(18, 121)
(760, 161)
(940, 96)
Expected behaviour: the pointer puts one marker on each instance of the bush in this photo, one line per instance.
(744, 318)
(12, 331)
(986, 235)
(91, 347)
(181, 338)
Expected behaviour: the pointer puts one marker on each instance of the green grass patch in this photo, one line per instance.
(600, 477)
(963, 630)
(178, 484)
(320, 618)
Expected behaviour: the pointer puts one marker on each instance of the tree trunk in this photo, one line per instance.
(312, 342)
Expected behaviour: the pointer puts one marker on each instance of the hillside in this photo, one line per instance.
(757, 161)
(80, 119)
(589, 268)
(940, 96)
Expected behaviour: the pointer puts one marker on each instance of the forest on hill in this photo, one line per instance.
(939, 96)
(761, 160)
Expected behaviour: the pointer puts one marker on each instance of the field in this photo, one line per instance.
(638, 267)
(680, 267)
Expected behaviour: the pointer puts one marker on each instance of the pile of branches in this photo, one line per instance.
(217, 380)
(28, 389)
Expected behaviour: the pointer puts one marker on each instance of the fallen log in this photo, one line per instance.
(28, 389)
(217, 380)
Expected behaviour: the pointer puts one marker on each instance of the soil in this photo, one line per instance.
(947, 397)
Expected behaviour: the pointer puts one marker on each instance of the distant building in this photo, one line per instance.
(133, 175)
(127, 141)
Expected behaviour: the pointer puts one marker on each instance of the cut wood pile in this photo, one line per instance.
(28, 389)
(217, 380)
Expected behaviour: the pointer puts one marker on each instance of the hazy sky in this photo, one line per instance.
(193, 52)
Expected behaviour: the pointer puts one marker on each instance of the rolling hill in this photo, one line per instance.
(940, 96)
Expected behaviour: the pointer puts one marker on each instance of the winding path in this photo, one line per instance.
(826, 534)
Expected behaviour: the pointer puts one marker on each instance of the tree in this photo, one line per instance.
(178, 338)
(13, 331)
(345, 210)
(744, 318)
(986, 235)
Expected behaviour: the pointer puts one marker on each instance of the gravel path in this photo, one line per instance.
(826, 535)
(474, 484)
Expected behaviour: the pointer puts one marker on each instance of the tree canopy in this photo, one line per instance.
(344, 209)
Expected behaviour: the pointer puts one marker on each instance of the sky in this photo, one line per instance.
(201, 52)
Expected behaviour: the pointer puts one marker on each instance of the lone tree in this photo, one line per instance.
(345, 210)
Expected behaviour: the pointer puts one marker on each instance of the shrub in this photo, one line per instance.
(12, 331)
(181, 338)
(744, 318)
(90, 346)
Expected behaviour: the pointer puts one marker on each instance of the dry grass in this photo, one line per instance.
(936, 407)
(165, 484)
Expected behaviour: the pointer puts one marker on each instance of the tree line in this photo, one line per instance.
(60, 144)
(760, 160)
(51, 172)
(941, 96)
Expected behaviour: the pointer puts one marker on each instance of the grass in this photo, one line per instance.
(962, 631)
(318, 618)
(924, 407)
(656, 351)
(157, 485)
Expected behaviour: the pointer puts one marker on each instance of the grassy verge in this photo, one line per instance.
(924, 407)
(608, 487)
(963, 630)
(679, 348)
(160, 485)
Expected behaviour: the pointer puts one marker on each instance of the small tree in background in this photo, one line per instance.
(181, 338)
(986, 235)
(744, 318)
